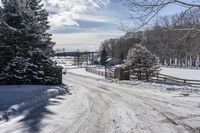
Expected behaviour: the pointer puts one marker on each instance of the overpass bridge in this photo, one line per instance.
(78, 56)
(74, 54)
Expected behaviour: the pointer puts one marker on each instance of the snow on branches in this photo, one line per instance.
(26, 45)
(141, 62)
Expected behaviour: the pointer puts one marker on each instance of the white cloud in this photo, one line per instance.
(67, 12)
(84, 41)
(65, 18)
(95, 18)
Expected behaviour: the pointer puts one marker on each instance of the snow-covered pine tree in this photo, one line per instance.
(104, 56)
(121, 57)
(30, 43)
(42, 19)
(42, 46)
(141, 62)
(3, 59)
(10, 34)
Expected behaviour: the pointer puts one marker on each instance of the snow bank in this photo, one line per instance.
(162, 87)
(14, 99)
(182, 73)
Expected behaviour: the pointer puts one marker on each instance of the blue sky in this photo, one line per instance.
(87, 28)
(90, 28)
(84, 24)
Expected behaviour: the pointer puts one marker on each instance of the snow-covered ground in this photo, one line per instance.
(177, 72)
(83, 72)
(100, 106)
(182, 73)
(15, 99)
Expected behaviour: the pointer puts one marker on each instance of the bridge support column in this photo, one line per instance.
(92, 58)
(78, 61)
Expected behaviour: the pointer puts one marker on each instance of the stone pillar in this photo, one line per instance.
(190, 61)
(179, 62)
(158, 60)
(176, 62)
(170, 62)
(197, 61)
(165, 62)
(186, 62)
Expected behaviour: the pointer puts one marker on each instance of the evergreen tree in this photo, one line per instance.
(30, 45)
(10, 24)
(103, 56)
(2, 44)
(121, 57)
(42, 20)
(141, 62)
(42, 45)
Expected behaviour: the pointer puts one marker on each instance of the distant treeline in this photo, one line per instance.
(172, 37)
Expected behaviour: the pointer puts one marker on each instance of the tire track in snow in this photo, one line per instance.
(144, 121)
(170, 117)
(94, 119)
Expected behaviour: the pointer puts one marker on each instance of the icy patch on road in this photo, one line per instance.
(15, 99)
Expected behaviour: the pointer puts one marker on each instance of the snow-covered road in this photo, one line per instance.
(98, 106)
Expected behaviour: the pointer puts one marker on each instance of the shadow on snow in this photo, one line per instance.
(33, 118)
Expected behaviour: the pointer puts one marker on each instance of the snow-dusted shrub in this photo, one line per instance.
(141, 62)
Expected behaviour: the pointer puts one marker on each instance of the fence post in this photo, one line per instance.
(165, 79)
(157, 76)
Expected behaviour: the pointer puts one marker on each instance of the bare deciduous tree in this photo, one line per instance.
(168, 39)
(144, 11)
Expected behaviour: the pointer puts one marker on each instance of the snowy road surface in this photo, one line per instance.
(97, 106)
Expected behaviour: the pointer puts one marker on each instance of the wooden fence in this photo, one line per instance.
(163, 77)
(107, 72)
(111, 73)
(167, 78)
